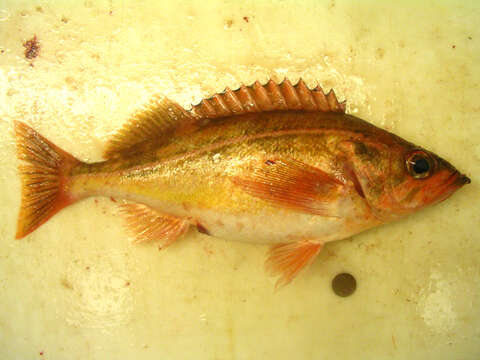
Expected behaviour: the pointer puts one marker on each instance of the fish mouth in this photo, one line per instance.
(446, 188)
(462, 180)
(457, 180)
(450, 185)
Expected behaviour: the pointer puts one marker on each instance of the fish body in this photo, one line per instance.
(194, 176)
(259, 164)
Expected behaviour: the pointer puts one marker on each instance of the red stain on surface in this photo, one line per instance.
(113, 199)
(202, 229)
(208, 250)
(32, 48)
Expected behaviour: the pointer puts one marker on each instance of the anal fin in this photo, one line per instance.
(147, 224)
(286, 260)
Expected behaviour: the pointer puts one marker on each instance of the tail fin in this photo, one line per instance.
(43, 178)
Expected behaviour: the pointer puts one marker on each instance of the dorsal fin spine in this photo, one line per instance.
(220, 107)
(276, 94)
(320, 99)
(291, 98)
(305, 96)
(261, 93)
(232, 101)
(208, 108)
(332, 101)
(247, 99)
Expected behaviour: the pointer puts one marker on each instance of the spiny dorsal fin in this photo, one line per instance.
(148, 128)
(268, 97)
(154, 124)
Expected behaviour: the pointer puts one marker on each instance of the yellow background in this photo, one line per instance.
(77, 288)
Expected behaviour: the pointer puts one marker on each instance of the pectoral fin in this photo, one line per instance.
(287, 260)
(292, 184)
(147, 224)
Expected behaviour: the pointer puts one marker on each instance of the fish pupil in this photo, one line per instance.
(421, 166)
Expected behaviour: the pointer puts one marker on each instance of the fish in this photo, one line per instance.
(272, 163)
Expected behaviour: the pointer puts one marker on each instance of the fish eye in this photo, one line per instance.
(419, 164)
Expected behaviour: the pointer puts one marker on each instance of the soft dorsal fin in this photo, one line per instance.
(268, 97)
(148, 127)
(155, 123)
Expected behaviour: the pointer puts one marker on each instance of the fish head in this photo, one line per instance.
(399, 178)
(421, 178)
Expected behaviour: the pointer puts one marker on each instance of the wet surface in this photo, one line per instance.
(78, 289)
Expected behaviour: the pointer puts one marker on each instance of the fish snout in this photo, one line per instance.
(462, 180)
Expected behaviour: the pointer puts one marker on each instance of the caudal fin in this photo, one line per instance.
(43, 178)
